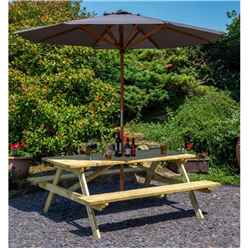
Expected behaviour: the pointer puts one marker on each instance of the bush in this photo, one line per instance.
(56, 102)
(213, 122)
(60, 96)
(56, 113)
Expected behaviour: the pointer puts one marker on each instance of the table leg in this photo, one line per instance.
(50, 194)
(150, 173)
(192, 195)
(122, 178)
(90, 211)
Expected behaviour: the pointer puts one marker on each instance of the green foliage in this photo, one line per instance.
(61, 96)
(213, 122)
(222, 68)
(221, 174)
(147, 77)
(56, 102)
(56, 115)
(152, 131)
(211, 119)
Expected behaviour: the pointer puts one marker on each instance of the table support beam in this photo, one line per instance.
(90, 211)
(192, 195)
(51, 194)
(90, 177)
(151, 173)
(122, 178)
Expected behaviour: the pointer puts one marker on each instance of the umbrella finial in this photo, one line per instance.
(118, 12)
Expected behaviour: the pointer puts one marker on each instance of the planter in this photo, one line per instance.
(192, 166)
(20, 166)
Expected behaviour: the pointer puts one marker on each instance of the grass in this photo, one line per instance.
(218, 174)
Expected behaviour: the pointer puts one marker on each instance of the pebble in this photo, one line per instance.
(150, 222)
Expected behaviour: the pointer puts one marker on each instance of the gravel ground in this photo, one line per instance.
(147, 222)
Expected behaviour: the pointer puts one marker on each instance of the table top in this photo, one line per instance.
(97, 160)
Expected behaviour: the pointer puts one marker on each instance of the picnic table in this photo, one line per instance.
(87, 168)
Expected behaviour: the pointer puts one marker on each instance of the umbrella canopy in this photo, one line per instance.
(121, 30)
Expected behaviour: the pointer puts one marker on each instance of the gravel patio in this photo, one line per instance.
(152, 222)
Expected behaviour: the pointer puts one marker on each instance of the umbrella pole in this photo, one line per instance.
(122, 98)
(122, 175)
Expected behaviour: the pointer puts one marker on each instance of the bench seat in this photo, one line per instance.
(104, 198)
(99, 201)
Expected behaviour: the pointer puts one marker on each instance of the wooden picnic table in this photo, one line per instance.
(80, 164)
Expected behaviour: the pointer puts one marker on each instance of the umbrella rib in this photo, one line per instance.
(149, 34)
(186, 33)
(132, 38)
(101, 36)
(149, 38)
(111, 35)
(95, 36)
(132, 31)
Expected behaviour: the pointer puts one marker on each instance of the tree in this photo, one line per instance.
(223, 59)
(56, 102)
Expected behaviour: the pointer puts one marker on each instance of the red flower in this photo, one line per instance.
(189, 146)
(16, 146)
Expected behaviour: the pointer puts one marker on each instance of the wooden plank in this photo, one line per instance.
(165, 172)
(69, 164)
(50, 194)
(148, 192)
(99, 172)
(192, 195)
(173, 180)
(74, 196)
(48, 178)
(80, 164)
(90, 211)
(92, 176)
(163, 158)
(150, 173)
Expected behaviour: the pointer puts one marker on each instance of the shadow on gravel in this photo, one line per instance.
(64, 210)
(147, 220)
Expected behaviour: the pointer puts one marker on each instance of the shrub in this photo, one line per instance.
(56, 102)
(213, 122)
(63, 95)
(58, 112)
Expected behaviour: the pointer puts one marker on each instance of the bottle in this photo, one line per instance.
(133, 148)
(118, 144)
(127, 148)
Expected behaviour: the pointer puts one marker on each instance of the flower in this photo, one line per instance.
(16, 146)
(18, 149)
(189, 146)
